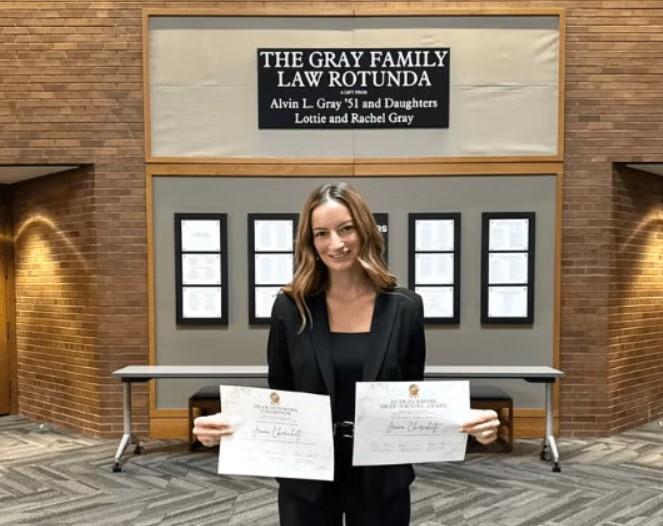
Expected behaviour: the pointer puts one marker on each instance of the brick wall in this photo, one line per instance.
(56, 311)
(71, 93)
(614, 101)
(635, 355)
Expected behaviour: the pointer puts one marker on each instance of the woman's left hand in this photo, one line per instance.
(482, 425)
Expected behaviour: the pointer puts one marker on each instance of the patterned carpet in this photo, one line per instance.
(49, 477)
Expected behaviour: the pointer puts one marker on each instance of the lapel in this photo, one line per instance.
(321, 340)
(384, 317)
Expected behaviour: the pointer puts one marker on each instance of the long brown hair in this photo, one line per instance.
(311, 275)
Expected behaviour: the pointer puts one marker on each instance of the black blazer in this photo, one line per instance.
(302, 361)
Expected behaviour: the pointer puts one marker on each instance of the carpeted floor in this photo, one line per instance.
(50, 477)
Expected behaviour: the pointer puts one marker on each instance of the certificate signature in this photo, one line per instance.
(410, 422)
(277, 434)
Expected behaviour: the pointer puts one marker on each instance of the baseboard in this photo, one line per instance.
(173, 423)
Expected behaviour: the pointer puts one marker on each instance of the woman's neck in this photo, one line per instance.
(350, 283)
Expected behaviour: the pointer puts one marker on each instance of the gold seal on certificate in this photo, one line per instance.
(410, 422)
(277, 434)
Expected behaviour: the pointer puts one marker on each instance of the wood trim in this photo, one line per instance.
(299, 169)
(415, 170)
(8, 372)
(342, 161)
(5, 248)
(557, 290)
(11, 340)
(147, 112)
(250, 160)
(151, 299)
(169, 413)
(561, 83)
(435, 9)
(294, 9)
(529, 423)
(349, 9)
(173, 423)
(169, 428)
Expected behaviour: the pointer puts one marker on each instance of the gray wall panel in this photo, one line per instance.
(466, 344)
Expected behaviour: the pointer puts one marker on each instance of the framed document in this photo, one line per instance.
(201, 302)
(507, 267)
(438, 301)
(434, 264)
(434, 234)
(273, 235)
(507, 302)
(431, 269)
(273, 269)
(201, 269)
(201, 235)
(271, 257)
(264, 300)
(201, 292)
(508, 234)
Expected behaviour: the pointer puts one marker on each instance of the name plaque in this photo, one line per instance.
(353, 88)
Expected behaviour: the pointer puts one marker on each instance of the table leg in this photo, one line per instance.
(127, 437)
(550, 434)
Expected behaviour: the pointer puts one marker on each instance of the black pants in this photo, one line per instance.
(343, 497)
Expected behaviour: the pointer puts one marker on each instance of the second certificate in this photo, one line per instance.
(407, 422)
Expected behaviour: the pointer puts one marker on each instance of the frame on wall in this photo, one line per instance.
(201, 269)
(271, 255)
(434, 265)
(355, 165)
(507, 267)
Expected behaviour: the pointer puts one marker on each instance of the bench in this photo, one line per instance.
(205, 401)
(492, 397)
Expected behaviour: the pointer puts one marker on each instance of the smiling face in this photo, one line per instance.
(335, 236)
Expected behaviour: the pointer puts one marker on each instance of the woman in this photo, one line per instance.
(343, 319)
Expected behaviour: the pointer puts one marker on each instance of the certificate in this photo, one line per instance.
(507, 268)
(407, 422)
(201, 235)
(277, 434)
(438, 301)
(433, 269)
(201, 269)
(508, 234)
(273, 269)
(507, 302)
(434, 235)
(264, 300)
(201, 302)
(273, 235)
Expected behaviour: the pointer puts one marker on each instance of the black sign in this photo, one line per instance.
(382, 221)
(353, 88)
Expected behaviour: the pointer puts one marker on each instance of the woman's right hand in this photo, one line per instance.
(209, 429)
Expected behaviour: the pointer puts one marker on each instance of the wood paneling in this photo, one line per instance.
(8, 402)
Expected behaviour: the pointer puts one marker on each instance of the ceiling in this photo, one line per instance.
(10, 174)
